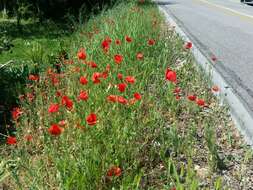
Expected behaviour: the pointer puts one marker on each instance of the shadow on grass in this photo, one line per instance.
(35, 30)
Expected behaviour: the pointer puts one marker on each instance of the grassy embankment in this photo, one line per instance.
(175, 135)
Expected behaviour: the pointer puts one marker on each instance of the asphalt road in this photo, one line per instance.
(223, 28)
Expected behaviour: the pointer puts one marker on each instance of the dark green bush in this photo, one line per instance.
(12, 81)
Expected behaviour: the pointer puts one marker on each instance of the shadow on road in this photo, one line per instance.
(164, 2)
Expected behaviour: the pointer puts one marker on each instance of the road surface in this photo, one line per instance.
(223, 28)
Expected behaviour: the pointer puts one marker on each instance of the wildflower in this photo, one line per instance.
(34, 77)
(28, 138)
(55, 130)
(62, 123)
(191, 97)
(171, 75)
(139, 56)
(91, 119)
(16, 113)
(118, 58)
(177, 90)
(83, 95)
(122, 100)
(30, 96)
(54, 80)
(11, 140)
(108, 68)
(200, 102)
(104, 74)
(117, 42)
(112, 98)
(130, 79)
(53, 108)
(67, 102)
(128, 39)
(81, 54)
(214, 58)
(21, 97)
(178, 97)
(106, 44)
(93, 64)
(95, 77)
(120, 76)
(188, 45)
(151, 42)
(83, 80)
(137, 96)
(114, 171)
(58, 93)
(215, 89)
(122, 87)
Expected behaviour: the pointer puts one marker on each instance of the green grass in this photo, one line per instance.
(157, 142)
(51, 36)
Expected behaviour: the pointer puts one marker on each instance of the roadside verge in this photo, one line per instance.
(240, 114)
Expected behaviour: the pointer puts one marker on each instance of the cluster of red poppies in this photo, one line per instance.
(55, 129)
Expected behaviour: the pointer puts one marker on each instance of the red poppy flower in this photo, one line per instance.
(92, 64)
(95, 77)
(34, 77)
(58, 93)
(118, 58)
(28, 138)
(177, 90)
(214, 58)
(128, 39)
(55, 130)
(178, 97)
(104, 74)
(215, 89)
(112, 98)
(200, 102)
(53, 108)
(122, 100)
(191, 97)
(83, 95)
(122, 87)
(55, 81)
(105, 44)
(120, 76)
(83, 80)
(114, 171)
(130, 79)
(91, 119)
(188, 45)
(117, 42)
(67, 102)
(11, 140)
(108, 68)
(139, 56)
(81, 54)
(151, 42)
(16, 113)
(137, 96)
(62, 123)
(30, 96)
(171, 75)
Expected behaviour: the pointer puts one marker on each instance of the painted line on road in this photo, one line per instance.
(238, 13)
(241, 116)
